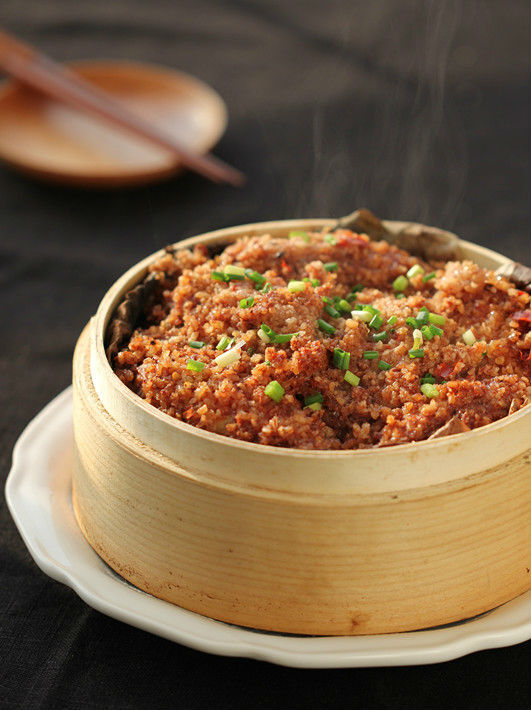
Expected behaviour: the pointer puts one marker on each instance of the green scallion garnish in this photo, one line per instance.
(427, 332)
(195, 365)
(343, 305)
(412, 322)
(219, 276)
(370, 355)
(274, 390)
(331, 311)
(267, 362)
(382, 365)
(427, 379)
(325, 327)
(423, 318)
(266, 288)
(330, 238)
(258, 279)
(197, 344)
(247, 302)
(415, 270)
(435, 330)
(468, 337)
(416, 352)
(392, 320)
(296, 286)
(341, 359)
(330, 266)
(223, 343)
(236, 273)
(313, 398)
(400, 295)
(429, 276)
(436, 319)
(379, 337)
(400, 283)
(275, 337)
(376, 322)
(351, 378)
(429, 390)
(316, 406)
(364, 316)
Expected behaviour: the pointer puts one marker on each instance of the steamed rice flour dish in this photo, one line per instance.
(328, 340)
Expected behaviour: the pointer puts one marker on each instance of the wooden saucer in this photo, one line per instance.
(54, 142)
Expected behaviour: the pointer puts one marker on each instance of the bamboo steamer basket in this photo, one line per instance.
(298, 541)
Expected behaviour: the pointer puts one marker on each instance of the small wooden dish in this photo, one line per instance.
(51, 141)
(305, 542)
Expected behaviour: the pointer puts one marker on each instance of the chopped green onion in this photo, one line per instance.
(423, 317)
(313, 399)
(412, 322)
(219, 276)
(413, 353)
(416, 270)
(229, 357)
(427, 379)
(296, 286)
(429, 276)
(378, 337)
(264, 337)
(332, 311)
(325, 327)
(223, 343)
(341, 359)
(469, 337)
(266, 288)
(195, 365)
(382, 365)
(351, 297)
(392, 320)
(400, 295)
(247, 302)
(436, 319)
(313, 282)
(365, 316)
(427, 332)
(343, 305)
(275, 337)
(435, 330)
(357, 287)
(235, 272)
(258, 279)
(299, 233)
(370, 355)
(370, 309)
(267, 362)
(330, 266)
(417, 339)
(330, 238)
(316, 406)
(429, 390)
(274, 390)
(400, 283)
(198, 344)
(351, 378)
(376, 322)
(283, 337)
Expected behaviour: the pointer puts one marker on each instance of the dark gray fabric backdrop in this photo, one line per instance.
(417, 110)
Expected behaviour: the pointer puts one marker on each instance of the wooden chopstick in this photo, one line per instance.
(34, 69)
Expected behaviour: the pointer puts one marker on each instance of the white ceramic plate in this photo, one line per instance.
(38, 493)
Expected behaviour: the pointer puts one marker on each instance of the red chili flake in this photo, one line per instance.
(285, 265)
(522, 316)
(524, 358)
(444, 371)
(349, 238)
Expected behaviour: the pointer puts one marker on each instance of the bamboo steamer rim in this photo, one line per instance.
(259, 466)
